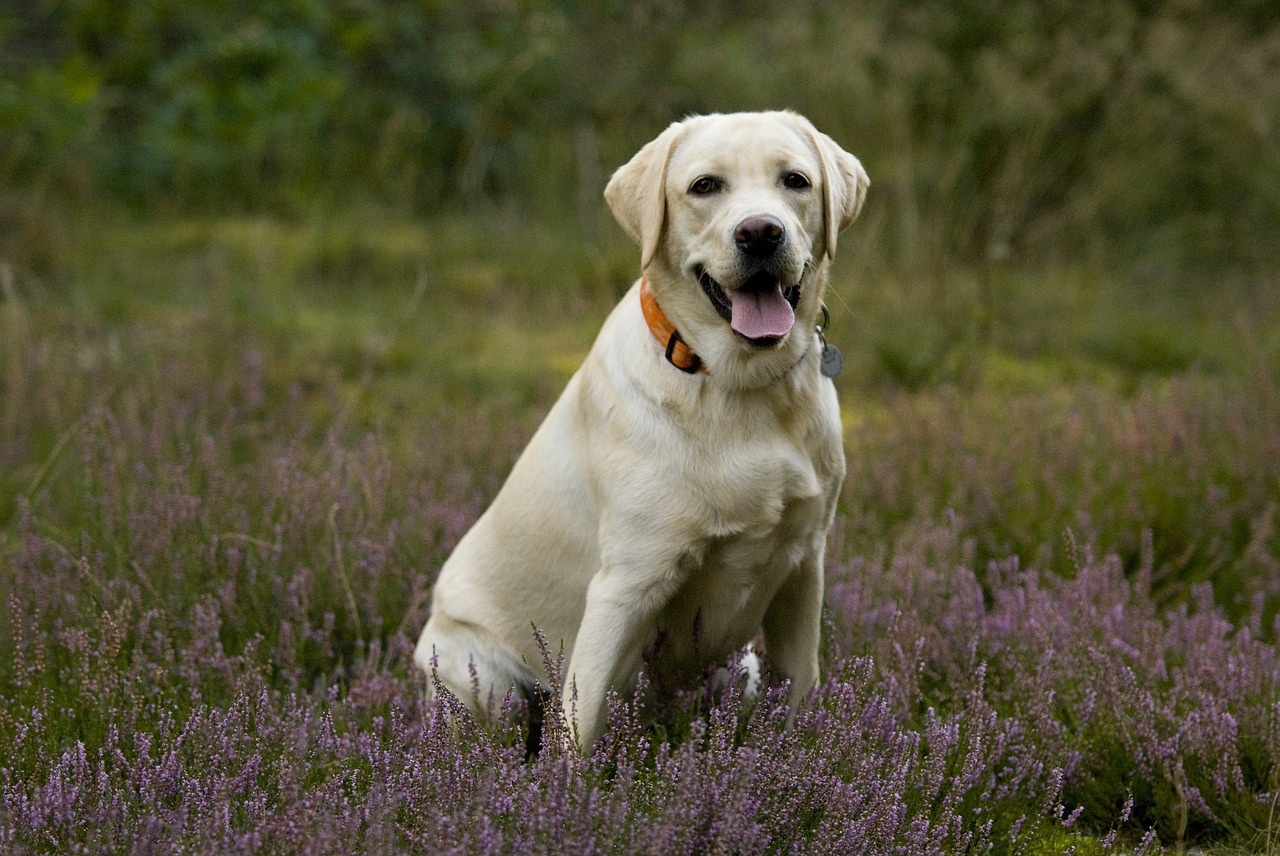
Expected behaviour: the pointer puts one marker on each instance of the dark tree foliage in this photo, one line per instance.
(1134, 130)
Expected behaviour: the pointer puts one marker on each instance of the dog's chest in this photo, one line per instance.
(728, 585)
(770, 541)
(760, 486)
(763, 516)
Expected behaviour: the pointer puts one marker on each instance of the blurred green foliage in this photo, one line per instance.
(1130, 132)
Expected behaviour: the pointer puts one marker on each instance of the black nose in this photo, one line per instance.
(759, 237)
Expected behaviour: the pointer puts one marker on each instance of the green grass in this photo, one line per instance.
(373, 322)
(407, 317)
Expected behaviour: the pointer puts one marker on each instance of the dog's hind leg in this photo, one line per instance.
(470, 663)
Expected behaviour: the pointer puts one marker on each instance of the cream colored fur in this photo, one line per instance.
(656, 513)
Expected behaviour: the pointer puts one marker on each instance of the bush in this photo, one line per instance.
(1127, 132)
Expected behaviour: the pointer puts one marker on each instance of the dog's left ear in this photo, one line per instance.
(637, 193)
(844, 186)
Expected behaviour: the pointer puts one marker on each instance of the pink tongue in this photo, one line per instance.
(761, 314)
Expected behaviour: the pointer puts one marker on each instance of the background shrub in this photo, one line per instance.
(1120, 131)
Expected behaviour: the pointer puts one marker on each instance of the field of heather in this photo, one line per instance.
(285, 287)
(229, 474)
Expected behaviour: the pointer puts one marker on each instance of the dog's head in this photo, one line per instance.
(737, 217)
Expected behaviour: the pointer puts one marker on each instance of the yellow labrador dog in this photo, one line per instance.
(675, 503)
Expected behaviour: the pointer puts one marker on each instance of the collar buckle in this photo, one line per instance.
(687, 361)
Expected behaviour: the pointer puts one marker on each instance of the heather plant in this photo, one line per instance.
(233, 455)
(1179, 478)
(1166, 714)
(210, 608)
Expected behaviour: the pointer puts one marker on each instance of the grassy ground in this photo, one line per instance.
(233, 453)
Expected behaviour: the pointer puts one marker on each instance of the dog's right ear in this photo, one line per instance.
(637, 193)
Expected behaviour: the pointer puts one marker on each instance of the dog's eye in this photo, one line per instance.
(795, 181)
(704, 185)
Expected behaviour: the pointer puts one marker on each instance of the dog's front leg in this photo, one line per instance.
(792, 626)
(623, 602)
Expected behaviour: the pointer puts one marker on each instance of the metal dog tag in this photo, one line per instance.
(832, 361)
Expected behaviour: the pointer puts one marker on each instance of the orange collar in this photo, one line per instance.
(678, 352)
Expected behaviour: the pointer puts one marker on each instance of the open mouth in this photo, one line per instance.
(760, 310)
